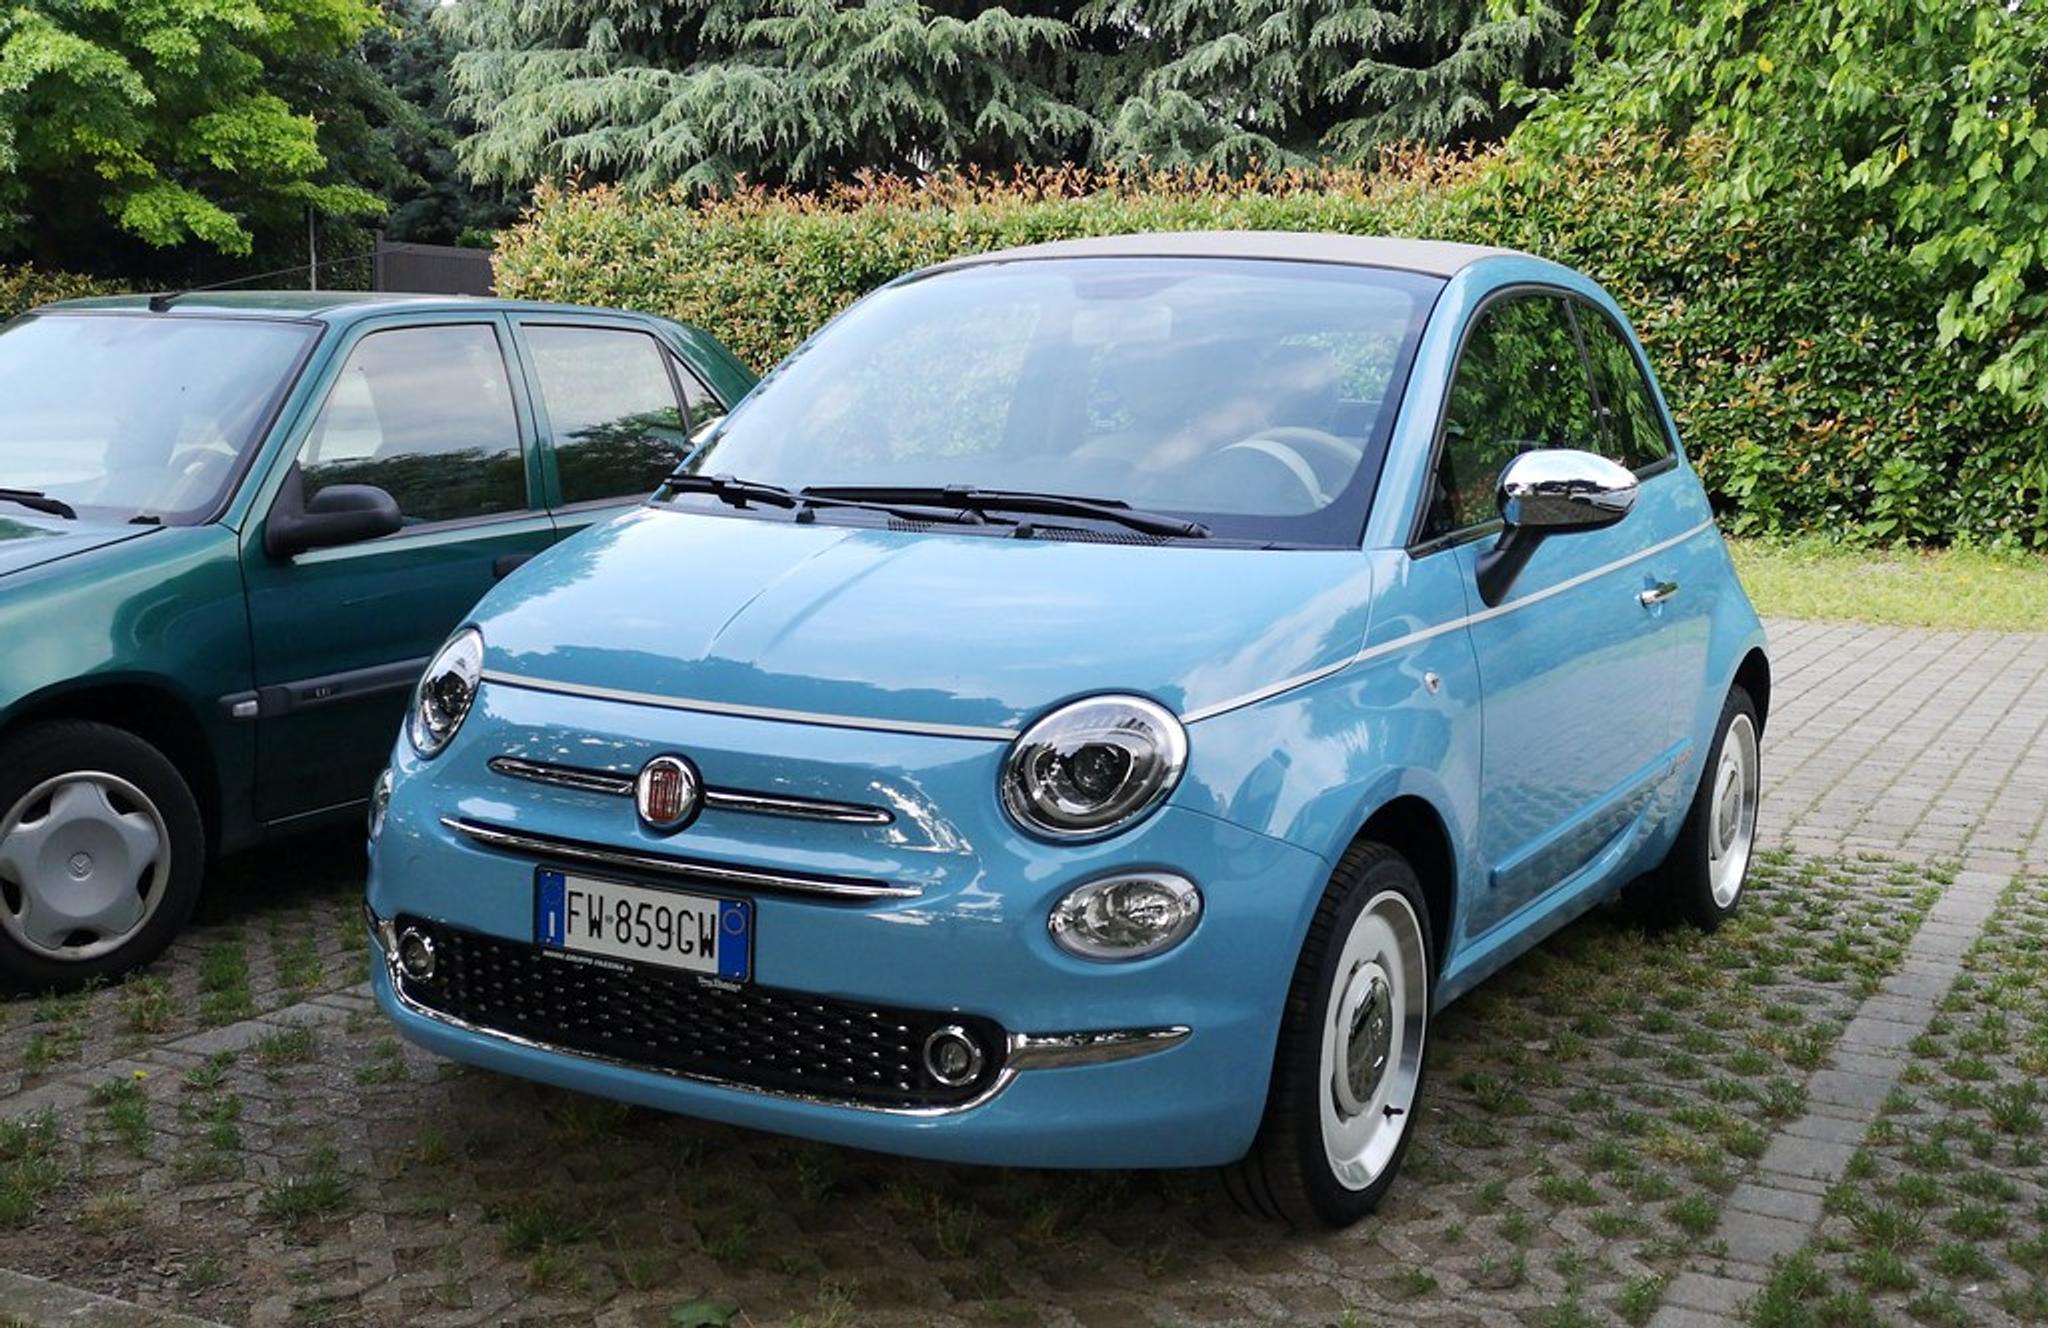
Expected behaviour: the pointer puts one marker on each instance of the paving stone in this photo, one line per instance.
(1713, 1295)
(1772, 1201)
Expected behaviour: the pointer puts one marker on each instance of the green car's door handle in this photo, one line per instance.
(508, 563)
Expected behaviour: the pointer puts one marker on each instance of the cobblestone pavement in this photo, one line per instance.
(1620, 1129)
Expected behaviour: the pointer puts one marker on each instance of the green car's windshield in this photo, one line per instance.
(1252, 396)
(148, 415)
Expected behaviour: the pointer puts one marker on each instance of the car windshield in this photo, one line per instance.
(1251, 396)
(123, 416)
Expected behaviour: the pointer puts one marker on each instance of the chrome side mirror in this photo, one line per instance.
(1551, 491)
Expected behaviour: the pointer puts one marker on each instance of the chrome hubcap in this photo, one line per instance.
(84, 860)
(1731, 816)
(1372, 1040)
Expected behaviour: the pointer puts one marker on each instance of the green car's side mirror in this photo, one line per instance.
(338, 514)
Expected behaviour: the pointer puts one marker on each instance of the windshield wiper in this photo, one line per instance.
(986, 501)
(737, 492)
(39, 502)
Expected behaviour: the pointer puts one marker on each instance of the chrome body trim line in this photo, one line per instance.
(1416, 638)
(631, 860)
(1023, 1051)
(977, 732)
(726, 800)
(1042, 1051)
(563, 776)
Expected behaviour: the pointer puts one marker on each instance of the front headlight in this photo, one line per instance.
(380, 801)
(447, 689)
(1094, 767)
(1126, 917)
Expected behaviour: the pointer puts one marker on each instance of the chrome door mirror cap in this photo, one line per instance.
(1551, 491)
(1561, 489)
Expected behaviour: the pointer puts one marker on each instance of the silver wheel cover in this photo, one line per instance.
(1731, 812)
(1372, 1040)
(85, 859)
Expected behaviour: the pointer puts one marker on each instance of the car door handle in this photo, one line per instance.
(508, 563)
(1657, 594)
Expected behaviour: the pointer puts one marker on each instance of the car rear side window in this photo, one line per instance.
(1631, 427)
(1520, 385)
(424, 413)
(703, 405)
(612, 410)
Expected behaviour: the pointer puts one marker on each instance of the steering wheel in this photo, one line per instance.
(1290, 447)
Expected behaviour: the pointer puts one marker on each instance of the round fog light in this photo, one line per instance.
(415, 955)
(1126, 917)
(952, 1057)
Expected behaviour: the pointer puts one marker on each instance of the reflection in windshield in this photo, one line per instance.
(121, 415)
(1251, 396)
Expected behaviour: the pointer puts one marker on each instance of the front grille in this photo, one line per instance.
(761, 1037)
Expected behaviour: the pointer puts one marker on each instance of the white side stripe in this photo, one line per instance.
(1416, 638)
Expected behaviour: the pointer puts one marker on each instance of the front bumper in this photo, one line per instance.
(1159, 1062)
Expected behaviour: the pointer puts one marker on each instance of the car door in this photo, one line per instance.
(1575, 674)
(432, 412)
(615, 409)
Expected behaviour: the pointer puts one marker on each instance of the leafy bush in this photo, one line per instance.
(1797, 346)
(25, 287)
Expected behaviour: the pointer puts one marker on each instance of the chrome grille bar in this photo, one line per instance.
(685, 869)
(722, 799)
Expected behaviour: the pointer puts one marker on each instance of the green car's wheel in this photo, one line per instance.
(101, 854)
(1348, 1070)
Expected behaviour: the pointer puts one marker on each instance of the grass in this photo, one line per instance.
(1950, 588)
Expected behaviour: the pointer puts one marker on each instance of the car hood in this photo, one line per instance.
(30, 540)
(898, 628)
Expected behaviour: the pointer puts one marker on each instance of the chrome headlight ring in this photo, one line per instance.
(1093, 768)
(445, 693)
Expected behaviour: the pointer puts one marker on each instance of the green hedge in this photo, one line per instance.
(1798, 350)
(26, 287)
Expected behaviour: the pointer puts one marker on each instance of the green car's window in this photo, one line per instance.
(424, 413)
(1520, 384)
(1631, 427)
(1253, 396)
(704, 407)
(125, 415)
(611, 409)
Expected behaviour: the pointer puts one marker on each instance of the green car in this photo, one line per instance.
(232, 530)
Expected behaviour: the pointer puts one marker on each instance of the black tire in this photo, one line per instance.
(1287, 1175)
(35, 755)
(1680, 890)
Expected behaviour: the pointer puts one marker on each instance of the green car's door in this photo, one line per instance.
(616, 408)
(432, 410)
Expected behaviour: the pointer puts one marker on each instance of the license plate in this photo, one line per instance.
(581, 915)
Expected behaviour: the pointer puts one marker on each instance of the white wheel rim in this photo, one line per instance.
(84, 861)
(1731, 812)
(1372, 1040)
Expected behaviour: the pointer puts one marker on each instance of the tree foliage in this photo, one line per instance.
(1927, 115)
(703, 92)
(165, 121)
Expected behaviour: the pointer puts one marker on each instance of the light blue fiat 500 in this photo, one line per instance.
(1090, 707)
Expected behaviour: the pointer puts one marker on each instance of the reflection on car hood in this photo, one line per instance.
(916, 628)
(29, 540)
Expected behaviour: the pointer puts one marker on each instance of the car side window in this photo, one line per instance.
(703, 405)
(612, 409)
(1520, 384)
(424, 413)
(1631, 427)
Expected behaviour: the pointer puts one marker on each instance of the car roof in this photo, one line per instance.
(318, 305)
(1439, 258)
